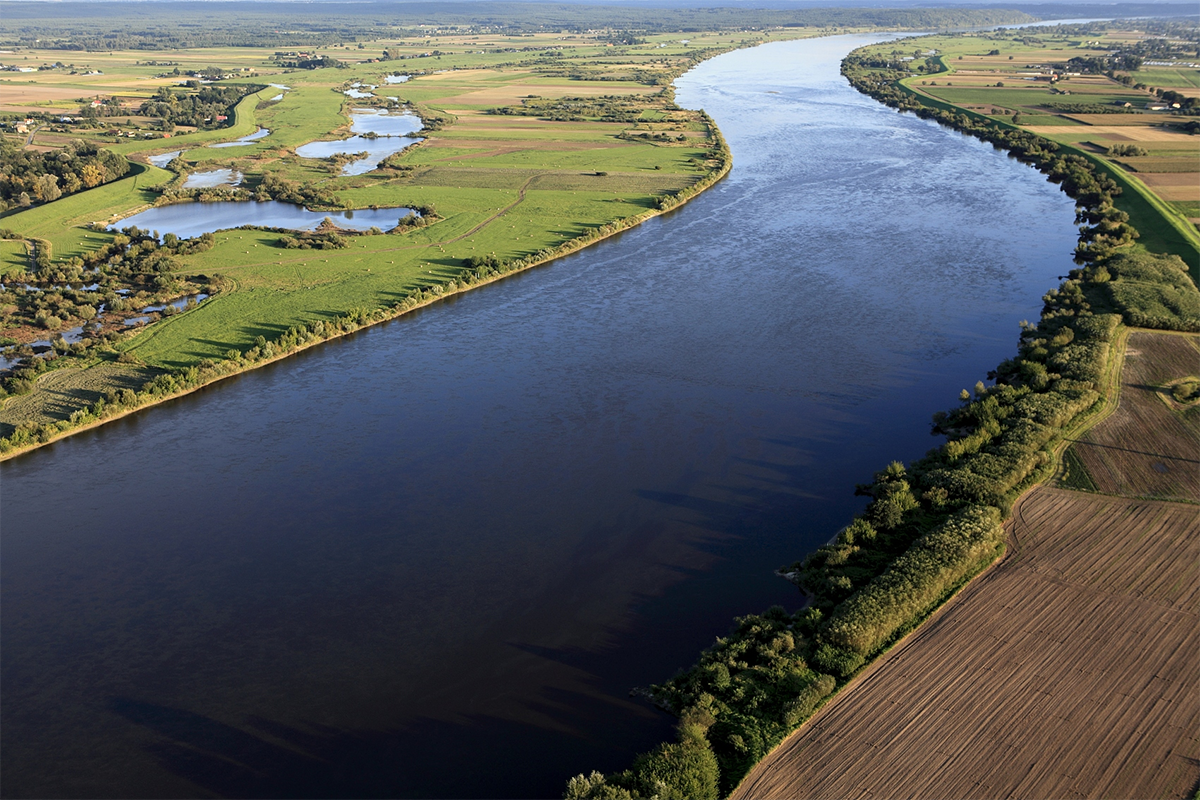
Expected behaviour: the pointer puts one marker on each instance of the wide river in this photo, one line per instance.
(432, 559)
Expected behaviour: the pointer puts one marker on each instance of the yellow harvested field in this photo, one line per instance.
(28, 94)
(1174, 185)
(1070, 669)
(1109, 120)
(1130, 133)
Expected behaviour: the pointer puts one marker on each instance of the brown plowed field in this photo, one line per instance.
(1071, 669)
(1147, 448)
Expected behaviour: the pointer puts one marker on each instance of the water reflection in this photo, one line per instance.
(187, 220)
(393, 131)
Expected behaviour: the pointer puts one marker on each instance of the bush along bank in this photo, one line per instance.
(929, 528)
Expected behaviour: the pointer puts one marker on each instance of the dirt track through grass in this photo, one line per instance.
(1071, 669)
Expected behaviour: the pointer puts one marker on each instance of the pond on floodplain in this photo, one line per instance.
(394, 132)
(187, 220)
(161, 160)
(247, 139)
(213, 177)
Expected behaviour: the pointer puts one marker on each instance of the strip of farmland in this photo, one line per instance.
(1071, 669)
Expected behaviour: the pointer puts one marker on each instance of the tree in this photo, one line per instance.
(45, 188)
(92, 174)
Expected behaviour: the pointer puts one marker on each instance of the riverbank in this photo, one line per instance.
(932, 527)
(1045, 603)
(99, 413)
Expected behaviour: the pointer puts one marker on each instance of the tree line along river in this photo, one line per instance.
(431, 559)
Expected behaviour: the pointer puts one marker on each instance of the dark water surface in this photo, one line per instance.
(431, 559)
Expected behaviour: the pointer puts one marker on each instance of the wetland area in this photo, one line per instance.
(432, 558)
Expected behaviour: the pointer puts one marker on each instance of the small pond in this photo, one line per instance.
(356, 91)
(162, 159)
(187, 220)
(247, 139)
(396, 78)
(213, 177)
(393, 132)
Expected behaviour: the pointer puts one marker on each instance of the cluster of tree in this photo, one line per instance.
(271, 187)
(1099, 65)
(92, 110)
(651, 136)
(1088, 108)
(1127, 150)
(1186, 392)
(316, 62)
(927, 529)
(207, 107)
(313, 240)
(606, 108)
(31, 176)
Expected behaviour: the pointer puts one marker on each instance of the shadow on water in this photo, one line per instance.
(263, 758)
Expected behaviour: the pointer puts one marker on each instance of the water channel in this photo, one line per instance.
(431, 560)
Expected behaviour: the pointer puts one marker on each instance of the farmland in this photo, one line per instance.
(1070, 669)
(1149, 448)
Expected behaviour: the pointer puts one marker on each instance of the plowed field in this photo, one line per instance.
(1148, 447)
(1071, 669)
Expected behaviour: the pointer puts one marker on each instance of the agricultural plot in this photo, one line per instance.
(1150, 447)
(1071, 669)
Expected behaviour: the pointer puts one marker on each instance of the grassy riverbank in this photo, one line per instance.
(535, 144)
(514, 183)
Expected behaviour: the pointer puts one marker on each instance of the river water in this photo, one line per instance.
(431, 559)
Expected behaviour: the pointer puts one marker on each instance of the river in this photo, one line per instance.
(431, 559)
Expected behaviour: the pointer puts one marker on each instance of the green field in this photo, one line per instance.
(508, 187)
